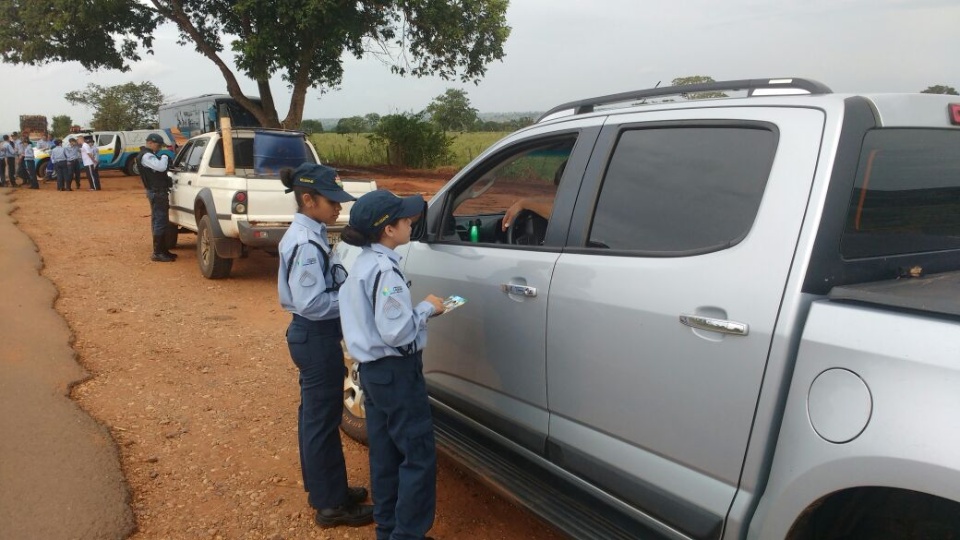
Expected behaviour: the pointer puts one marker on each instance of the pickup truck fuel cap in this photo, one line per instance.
(839, 405)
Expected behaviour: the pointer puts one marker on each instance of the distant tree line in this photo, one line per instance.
(450, 111)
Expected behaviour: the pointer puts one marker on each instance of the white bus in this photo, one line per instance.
(189, 117)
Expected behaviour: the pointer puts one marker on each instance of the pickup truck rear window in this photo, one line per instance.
(680, 191)
(243, 154)
(906, 198)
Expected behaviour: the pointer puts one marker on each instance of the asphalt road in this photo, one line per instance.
(60, 474)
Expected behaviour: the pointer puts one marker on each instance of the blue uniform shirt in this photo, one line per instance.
(72, 152)
(392, 326)
(57, 154)
(305, 292)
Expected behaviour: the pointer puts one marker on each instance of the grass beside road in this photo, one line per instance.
(355, 149)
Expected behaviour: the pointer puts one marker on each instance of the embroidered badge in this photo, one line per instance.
(392, 308)
(309, 261)
(307, 280)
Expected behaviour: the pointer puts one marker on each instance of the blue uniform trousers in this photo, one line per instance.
(63, 175)
(160, 213)
(403, 456)
(315, 349)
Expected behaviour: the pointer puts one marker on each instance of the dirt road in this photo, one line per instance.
(193, 380)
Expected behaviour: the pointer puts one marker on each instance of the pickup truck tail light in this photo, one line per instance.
(954, 113)
(239, 204)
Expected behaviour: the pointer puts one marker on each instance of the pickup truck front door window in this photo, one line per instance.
(490, 355)
(697, 218)
(184, 191)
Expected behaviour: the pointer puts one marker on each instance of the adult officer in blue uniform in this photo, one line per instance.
(386, 333)
(308, 281)
(153, 174)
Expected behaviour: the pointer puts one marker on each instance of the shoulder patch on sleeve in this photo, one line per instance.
(392, 308)
(307, 280)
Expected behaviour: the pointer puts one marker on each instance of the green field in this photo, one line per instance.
(355, 150)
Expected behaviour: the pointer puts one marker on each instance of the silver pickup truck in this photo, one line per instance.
(723, 318)
(243, 205)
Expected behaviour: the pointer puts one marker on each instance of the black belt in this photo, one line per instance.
(326, 323)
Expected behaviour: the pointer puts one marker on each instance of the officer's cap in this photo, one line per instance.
(321, 179)
(153, 137)
(375, 210)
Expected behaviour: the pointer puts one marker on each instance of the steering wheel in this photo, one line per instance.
(528, 229)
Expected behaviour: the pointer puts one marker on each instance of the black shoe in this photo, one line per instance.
(161, 257)
(351, 516)
(174, 257)
(356, 495)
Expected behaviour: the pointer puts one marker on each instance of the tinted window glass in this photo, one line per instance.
(243, 154)
(907, 195)
(676, 191)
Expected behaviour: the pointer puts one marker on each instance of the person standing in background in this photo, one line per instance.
(153, 174)
(27, 161)
(58, 156)
(8, 162)
(45, 143)
(91, 163)
(72, 149)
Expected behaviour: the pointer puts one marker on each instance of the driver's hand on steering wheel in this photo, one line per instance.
(511, 213)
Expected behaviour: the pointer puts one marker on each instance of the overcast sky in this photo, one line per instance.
(562, 50)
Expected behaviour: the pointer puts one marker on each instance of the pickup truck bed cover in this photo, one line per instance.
(938, 293)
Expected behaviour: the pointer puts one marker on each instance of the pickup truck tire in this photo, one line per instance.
(131, 167)
(170, 236)
(212, 266)
(353, 421)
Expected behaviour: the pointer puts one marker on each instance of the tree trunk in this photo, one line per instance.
(300, 85)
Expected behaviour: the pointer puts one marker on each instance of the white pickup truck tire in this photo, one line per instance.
(212, 266)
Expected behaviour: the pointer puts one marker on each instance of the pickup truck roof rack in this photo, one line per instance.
(753, 87)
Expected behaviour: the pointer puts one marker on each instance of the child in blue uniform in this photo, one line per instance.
(308, 282)
(386, 333)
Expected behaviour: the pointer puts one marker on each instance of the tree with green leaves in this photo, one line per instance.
(352, 124)
(697, 79)
(411, 141)
(124, 106)
(371, 120)
(304, 41)
(452, 111)
(311, 126)
(60, 126)
(940, 89)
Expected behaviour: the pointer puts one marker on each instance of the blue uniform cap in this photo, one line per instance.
(375, 210)
(321, 179)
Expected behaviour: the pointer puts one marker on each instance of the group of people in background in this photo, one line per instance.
(18, 160)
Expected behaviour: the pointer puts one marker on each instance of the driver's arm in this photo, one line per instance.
(542, 206)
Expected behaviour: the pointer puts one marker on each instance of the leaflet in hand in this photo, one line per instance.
(453, 302)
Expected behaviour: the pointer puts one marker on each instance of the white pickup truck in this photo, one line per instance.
(247, 208)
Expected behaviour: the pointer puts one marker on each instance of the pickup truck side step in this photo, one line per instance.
(527, 484)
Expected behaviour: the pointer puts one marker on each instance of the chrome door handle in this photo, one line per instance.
(715, 325)
(519, 290)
